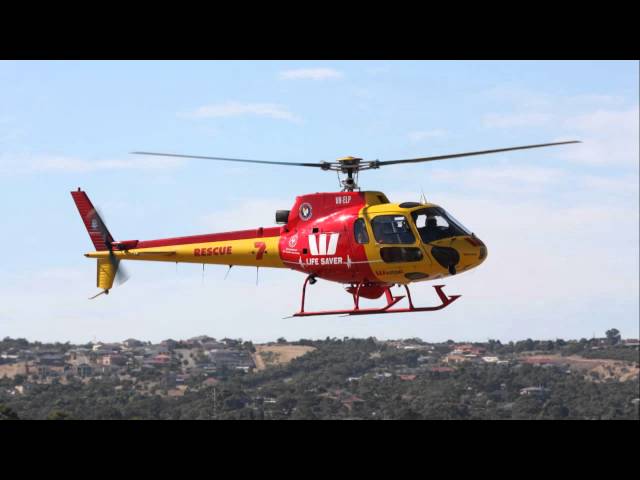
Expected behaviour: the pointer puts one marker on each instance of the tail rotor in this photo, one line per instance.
(109, 268)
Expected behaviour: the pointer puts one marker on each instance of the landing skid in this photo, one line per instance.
(391, 301)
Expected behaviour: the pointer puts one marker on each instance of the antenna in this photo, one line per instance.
(227, 274)
(423, 198)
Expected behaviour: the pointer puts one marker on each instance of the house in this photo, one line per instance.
(232, 359)
(415, 347)
(534, 391)
(113, 359)
(161, 359)
(78, 357)
(456, 358)
(211, 345)
(50, 365)
(199, 340)
(103, 348)
(468, 349)
(18, 368)
(490, 359)
(210, 382)
(169, 344)
(177, 392)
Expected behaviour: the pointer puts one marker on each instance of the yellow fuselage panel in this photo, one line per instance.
(256, 252)
(396, 272)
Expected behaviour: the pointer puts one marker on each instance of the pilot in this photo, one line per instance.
(430, 232)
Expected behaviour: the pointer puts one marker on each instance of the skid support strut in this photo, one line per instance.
(392, 300)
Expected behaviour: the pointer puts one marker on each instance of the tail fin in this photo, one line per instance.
(107, 270)
(98, 231)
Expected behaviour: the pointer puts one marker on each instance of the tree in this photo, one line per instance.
(613, 336)
(7, 414)
(59, 415)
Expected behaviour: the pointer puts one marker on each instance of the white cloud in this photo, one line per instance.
(311, 74)
(624, 185)
(608, 130)
(236, 109)
(511, 120)
(250, 213)
(519, 97)
(595, 99)
(418, 136)
(21, 164)
(609, 137)
(603, 119)
(502, 178)
(526, 99)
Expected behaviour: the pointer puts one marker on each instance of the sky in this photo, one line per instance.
(561, 223)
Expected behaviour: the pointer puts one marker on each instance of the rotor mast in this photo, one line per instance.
(350, 166)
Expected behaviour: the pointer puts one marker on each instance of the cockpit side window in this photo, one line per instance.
(392, 229)
(360, 231)
(434, 223)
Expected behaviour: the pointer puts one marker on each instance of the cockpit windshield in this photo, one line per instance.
(434, 223)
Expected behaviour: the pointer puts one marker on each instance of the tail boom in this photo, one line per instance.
(258, 247)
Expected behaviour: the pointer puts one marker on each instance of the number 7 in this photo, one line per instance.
(261, 246)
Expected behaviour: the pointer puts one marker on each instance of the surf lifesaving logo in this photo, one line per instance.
(293, 240)
(305, 211)
(318, 244)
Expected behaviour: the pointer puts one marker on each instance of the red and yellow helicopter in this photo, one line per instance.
(357, 238)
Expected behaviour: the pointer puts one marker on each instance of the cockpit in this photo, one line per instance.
(434, 223)
(413, 235)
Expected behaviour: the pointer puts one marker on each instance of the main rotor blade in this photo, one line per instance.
(469, 154)
(319, 165)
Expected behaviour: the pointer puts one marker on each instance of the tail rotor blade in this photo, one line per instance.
(122, 275)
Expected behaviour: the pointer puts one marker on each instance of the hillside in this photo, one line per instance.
(205, 378)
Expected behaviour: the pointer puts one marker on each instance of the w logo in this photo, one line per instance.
(318, 244)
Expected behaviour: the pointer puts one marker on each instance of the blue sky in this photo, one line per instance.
(561, 223)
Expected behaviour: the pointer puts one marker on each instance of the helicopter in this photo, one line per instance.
(354, 237)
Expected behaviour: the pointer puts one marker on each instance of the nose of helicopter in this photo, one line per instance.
(480, 248)
(475, 252)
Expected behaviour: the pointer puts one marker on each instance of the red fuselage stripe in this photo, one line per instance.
(211, 237)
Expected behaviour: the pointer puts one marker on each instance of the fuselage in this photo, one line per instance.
(346, 237)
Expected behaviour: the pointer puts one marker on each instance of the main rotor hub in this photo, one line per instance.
(350, 166)
(349, 162)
